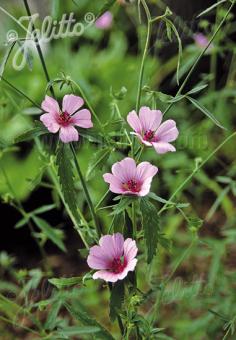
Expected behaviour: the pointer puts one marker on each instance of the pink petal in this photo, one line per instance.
(145, 170)
(106, 276)
(50, 105)
(99, 259)
(129, 268)
(82, 119)
(112, 245)
(130, 249)
(115, 183)
(168, 131)
(134, 121)
(68, 134)
(150, 119)
(49, 120)
(105, 20)
(145, 189)
(71, 103)
(163, 147)
(125, 169)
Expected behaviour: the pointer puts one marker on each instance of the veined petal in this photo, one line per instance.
(50, 105)
(71, 103)
(146, 170)
(49, 120)
(168, 131)
(125, 169)
(163, 147)
(83, 119)
(134, 122)
(68, 134)
(150, 119)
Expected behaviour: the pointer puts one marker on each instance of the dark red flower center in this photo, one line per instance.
(118, 265)
(64, 118)
(149, 135)
(132, 185)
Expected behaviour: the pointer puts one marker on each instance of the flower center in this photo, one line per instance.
(132, 185)
(64, 118)
(149, 135)
(118, 265)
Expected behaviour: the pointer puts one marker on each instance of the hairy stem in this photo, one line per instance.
(40, 53)
(86, 192)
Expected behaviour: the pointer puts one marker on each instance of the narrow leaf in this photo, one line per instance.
(150, 222)
(50, 232)
(106, 7)
(205, 111)
(211, 8)
(65, 282)
(98, 160)
(85, 319)
(66, 176)
(31, 134)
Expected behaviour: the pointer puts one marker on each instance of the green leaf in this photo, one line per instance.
(86, 320)
(31, 134)
(22, 222)
(52, 234)
(66, 178)
(5, 58)
(211, 8)
(122, 205)
(98, 160)
(170, 26)
(65, 282)
(205, 111)
(52, 315)
(198, 89)
(195, 222)
(106, 7)
(116, 299)
(43, 209)
(68, 332)
(150, 222)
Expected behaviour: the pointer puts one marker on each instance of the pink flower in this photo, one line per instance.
(129, 179)
(113, 258)
(104, 21)
(151, 132)
(202, 41)
(64, 120)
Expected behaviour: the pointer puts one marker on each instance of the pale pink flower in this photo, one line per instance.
(113, 258)
(202, 41)
(104, 21)
(64, 120)
(151, 132)
(129, 179)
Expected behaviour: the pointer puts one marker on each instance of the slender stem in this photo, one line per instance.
(102, 199)
(200, 56)
(187, 251)
(145, 52)
(39, 49)
(134, 220)
(87, 102)
(86, 192)
(20, 92)
(196, 170)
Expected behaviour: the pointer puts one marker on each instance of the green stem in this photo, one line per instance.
(200, 56)
(185, 254)
(20, 92)
(145, 52)
(86, 192)
(102, 199)
(196, 170)
(40, 53)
